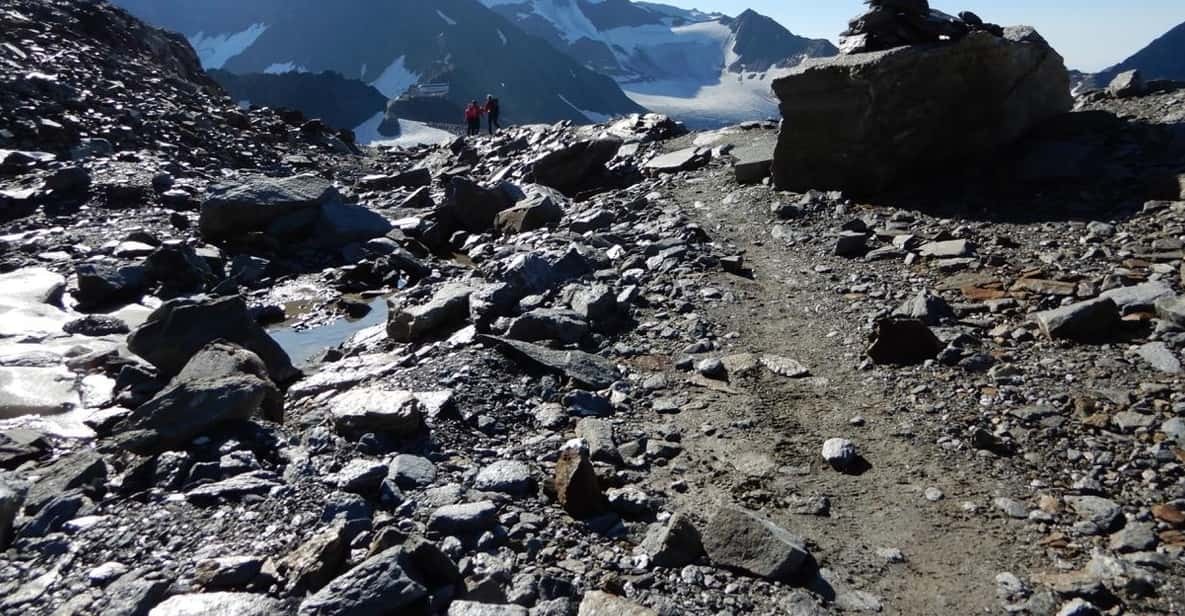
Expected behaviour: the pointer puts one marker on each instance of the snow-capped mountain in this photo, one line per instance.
(704, 68)
(463, 49)
(1164, 58)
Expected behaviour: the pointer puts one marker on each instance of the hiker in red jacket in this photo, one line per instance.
(473, 118)
(491, 110)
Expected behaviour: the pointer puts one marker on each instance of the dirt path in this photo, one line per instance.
(772, 453)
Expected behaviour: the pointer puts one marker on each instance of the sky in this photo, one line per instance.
(1090, 34)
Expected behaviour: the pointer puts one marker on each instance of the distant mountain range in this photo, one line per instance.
(393, 45)
(705, 68)
(1164, 58)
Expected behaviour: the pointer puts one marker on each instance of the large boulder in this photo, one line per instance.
(379, 585)
(472, 207)
(180, 328)
(570, 168)
(222, 383)
(256, 202)
(860, 122)
(740, 539)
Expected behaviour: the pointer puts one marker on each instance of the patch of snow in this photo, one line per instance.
(410, 133)
(285, 67)
(396, 79)
(449, 20)
(730, 100)
(215, 50)
(593, 116)
(502, 36)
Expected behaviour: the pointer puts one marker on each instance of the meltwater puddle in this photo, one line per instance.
(305, 344)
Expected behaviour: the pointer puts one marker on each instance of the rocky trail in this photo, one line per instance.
(250, 367)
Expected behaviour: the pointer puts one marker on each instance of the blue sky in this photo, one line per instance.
(1091, 34)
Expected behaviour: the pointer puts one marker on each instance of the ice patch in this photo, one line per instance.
(285, 67)
(502, 36)
(732, 99)
(216, 50)
(396, 79)
(410, 133)
(449, 20)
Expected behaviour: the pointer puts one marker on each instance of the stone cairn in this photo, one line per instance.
(895, 23)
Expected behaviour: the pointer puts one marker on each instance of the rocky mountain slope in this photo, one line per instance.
(247, 368)
(327, 96)
(1163, 58)
(708, 69)
(392, 46)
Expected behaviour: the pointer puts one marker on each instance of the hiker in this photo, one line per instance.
(473, 118)
(492, 111)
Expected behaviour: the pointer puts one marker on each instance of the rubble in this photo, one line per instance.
(609, 399)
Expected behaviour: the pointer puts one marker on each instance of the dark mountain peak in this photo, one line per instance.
(1164, 58)
(609, 14)
(762, 43)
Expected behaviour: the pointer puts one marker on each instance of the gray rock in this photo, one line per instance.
(903, 342)
(948, 249)
(595, 302)
(680, 160)
(1098, 515)
(1090, 320)
(598, 433)
(189, 408)
(227, 573)
(1079, 607)
(673, 544)
(379, 585)
(218, 603)
(536, 212)
(570, 168)
(585, 369)
(1175, 429)
(1172, 309)
(506, 476)
(931, 105)
(339, 224)
(752, 164)
(258, 483)
(464, 518)
(447, 310)
(472, 207)
(361, 410)
(741, 540)
(851, 244)
(180, 328)
(473, 608)
(930, 309)
(540, 324)
(1136, 537)
(220, 360)
(1127, 84)
(1138, 297)
(10, 505)
(360, 476)
(410, 472)
(104, 284)
(315, 563)
(133, 595)
(840, 453)
(53, 515)
(1159, 356)
(597, 603)
(254, 203)
(83, 470)
(1011, 508)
